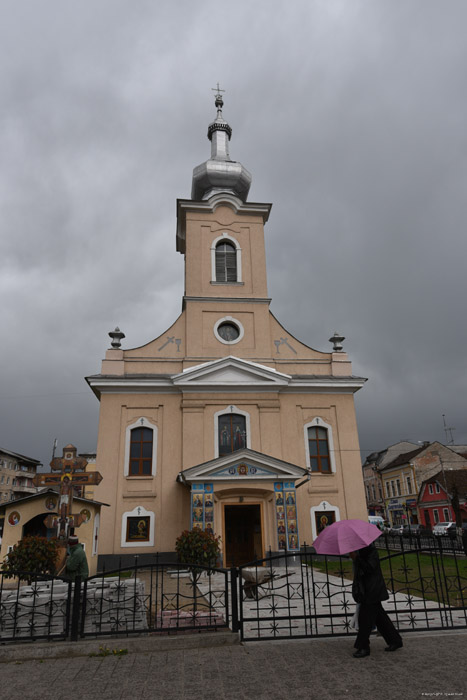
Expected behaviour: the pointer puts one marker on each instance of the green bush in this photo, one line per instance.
(34, 555)
(198, 548)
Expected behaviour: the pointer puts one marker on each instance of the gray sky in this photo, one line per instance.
(351, 116)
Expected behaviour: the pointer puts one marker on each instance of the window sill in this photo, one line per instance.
(137, 477)
(229, 284)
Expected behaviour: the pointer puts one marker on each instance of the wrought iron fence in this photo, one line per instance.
(34, 607)
(309, 595)
(162, 597)
(281, 596)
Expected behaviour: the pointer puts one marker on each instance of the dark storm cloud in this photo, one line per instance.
(351, 117)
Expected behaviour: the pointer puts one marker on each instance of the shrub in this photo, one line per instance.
(34, 555)
(198, 548)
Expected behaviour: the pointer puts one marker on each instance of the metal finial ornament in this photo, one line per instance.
(337, 341)
(219, 101)
(116, 336)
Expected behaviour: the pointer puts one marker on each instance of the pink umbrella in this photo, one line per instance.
(345, 536)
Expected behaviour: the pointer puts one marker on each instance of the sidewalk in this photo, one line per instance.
(178, 668)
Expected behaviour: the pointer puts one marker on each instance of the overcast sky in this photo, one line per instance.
(351, 116)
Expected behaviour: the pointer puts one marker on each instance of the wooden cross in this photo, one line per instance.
(71, 474)
(217, 89)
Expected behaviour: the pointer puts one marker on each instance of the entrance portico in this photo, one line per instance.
(248, 498)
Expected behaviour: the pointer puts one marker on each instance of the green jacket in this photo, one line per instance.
(77, 564)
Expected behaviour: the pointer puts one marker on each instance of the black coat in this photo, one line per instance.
(368, 583)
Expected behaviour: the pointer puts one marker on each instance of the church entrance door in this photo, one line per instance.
(243, 537)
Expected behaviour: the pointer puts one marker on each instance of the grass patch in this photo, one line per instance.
(439, 579)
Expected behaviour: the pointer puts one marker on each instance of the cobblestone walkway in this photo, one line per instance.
(427, 666)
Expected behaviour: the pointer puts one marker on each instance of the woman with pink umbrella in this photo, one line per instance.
(355, 538)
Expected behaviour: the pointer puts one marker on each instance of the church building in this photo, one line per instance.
(225, 422)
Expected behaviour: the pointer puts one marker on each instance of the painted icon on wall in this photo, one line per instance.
(14, 517)
(138, 529)
(51, 503)
(86, 515)
(323, 519)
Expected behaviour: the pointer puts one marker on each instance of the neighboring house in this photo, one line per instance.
(16, 475)
(372, 475)
(403, 476)
(225, 422)
(438, 496)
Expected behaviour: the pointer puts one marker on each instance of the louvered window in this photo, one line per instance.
(226, 263)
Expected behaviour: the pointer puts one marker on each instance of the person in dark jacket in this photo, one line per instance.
(76, 563)
(369, 589)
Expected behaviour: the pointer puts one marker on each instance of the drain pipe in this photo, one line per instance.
(308, 477)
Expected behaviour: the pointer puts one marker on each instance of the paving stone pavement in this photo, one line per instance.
(429, 665)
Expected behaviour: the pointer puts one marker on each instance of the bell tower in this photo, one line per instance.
(221, 236)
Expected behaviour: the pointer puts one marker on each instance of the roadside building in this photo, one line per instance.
(403, 476)
(441, 495)
(16, 475)
(372, 480)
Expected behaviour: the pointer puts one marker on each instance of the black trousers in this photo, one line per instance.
(372, 614)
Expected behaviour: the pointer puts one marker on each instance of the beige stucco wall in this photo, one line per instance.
(185, 419)
(29, 509)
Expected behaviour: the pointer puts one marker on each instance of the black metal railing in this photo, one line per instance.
(281, 596)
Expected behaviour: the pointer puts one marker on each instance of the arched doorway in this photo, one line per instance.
(37, 528)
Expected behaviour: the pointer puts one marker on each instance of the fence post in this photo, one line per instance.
(234, 595)
(76, 610)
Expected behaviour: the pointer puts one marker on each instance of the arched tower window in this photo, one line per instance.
(226, 262)
(318, 446)
(141, 452)
(232, 433)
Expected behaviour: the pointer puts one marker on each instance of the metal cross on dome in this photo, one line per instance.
(217, 89)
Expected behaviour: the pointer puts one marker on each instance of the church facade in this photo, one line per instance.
(225, 422)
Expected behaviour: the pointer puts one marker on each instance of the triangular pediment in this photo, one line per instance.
(243, 465)
(231, 372)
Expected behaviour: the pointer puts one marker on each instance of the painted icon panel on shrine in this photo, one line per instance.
(137, 529)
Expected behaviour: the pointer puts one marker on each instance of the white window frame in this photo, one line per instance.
(408, 480)
(437, 489)
(234, 321)
(320, 423)
(446, 515)
(430, 489)
(142, 422)
(435, 516)
(138, 511)
(226, 238)
(324, 505)
(228, 411)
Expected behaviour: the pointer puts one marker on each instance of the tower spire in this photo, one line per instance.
(220, 173)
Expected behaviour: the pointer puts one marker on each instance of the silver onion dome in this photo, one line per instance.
(220, 173)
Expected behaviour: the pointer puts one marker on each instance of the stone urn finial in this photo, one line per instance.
(337, 341)
(116, 336)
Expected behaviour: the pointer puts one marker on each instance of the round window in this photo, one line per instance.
(228, 332)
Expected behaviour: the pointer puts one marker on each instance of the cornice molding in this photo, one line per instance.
(210, 205)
